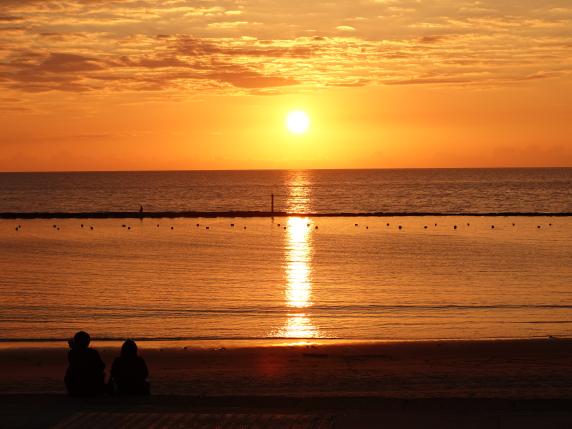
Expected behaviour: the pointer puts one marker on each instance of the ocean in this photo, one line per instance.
(433, 263)
(315, 191)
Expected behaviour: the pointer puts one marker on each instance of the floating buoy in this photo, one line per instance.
(307, 224)
(367, 227)
(244, 227)
(157, 225)
(425, 227)
(208, 227)
(91, 227)
(81, 225)
(123, 226)
(198, 225)
(356, 224)
(538, 226)
(316, 226)
(232, 225)
(54, 226)
(455, 227)
(492, 227)
(387, 224)
(435, 224)
(284, 227)
(468, 224)
(513, 224)
(400, 227)
(174, 228)
(129, 228)
(549, 224)
(278, 225)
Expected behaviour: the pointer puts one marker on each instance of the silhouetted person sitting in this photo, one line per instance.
(84, 376)
(129, 372)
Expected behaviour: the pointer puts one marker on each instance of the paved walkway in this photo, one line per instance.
(157, 412)
(193, 421)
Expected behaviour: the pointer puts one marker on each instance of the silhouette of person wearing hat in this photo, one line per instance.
(85, 373)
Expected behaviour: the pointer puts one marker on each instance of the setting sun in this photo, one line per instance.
(297, 122)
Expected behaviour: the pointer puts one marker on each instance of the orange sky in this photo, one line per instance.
(206, 84)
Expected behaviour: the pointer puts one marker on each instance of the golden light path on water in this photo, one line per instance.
(299, 280)
(298, 257)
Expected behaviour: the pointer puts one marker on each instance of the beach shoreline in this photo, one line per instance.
(251, 343)
(514, 383)
(522, 369)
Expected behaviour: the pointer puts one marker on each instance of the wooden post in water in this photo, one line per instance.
(272, 203)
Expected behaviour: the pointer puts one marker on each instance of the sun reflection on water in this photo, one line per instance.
(298, 262)
(299, 280)
(299, 197)
(299, 290)
(299, 326)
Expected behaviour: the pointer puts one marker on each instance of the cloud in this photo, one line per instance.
(9, 18)
(67, 63)
(225, 25)
(248, 46)
(250, 79)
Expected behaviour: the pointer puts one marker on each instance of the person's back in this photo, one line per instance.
(129, 372)
(84, 375)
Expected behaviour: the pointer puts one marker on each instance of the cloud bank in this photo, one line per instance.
(184, 48)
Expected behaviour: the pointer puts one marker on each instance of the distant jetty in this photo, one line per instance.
(254, 214)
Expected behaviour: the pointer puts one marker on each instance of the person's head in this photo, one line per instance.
(129, 349)
(81, 340)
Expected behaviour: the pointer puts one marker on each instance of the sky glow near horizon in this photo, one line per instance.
(140, 84)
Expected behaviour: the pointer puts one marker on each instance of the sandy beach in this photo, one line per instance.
(353, 384)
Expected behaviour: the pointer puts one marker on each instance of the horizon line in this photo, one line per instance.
(280, 169)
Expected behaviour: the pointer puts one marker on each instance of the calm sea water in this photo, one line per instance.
(317, 191)
(289, 278)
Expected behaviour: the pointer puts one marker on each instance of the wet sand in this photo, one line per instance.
(519, 383)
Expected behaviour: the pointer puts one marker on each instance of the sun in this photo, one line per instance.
(297, 122)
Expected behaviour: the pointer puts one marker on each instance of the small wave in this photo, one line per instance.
(165, 339)
(326, 310)
(270, 339)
